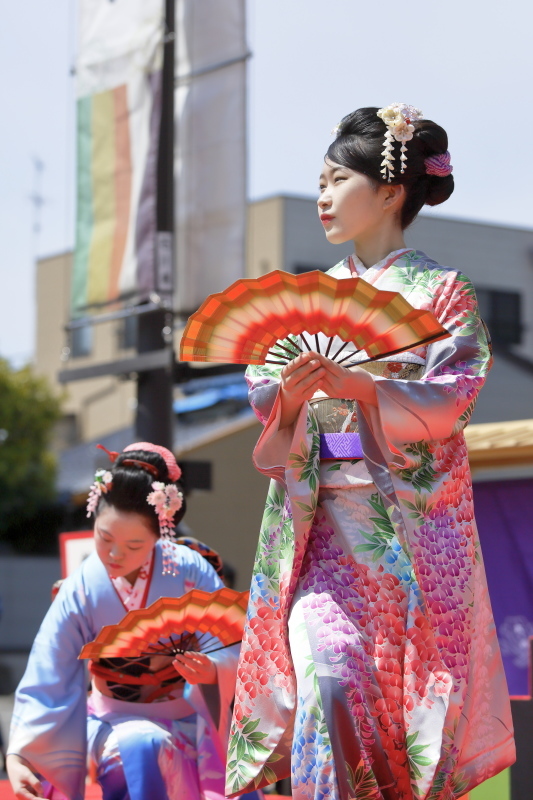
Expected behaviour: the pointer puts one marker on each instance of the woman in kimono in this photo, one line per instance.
(154, 727)
(370, 666)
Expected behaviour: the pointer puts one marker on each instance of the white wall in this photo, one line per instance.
(492, 256)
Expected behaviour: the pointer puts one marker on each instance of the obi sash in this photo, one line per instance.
(340, 445)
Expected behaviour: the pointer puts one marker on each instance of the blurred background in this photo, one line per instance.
(153, 152)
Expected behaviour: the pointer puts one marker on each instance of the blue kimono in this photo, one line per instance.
(145, 750)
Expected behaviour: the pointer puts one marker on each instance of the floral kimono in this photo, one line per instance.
(164, 742)
(370, 666)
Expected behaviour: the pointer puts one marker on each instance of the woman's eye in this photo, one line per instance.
(134, 549)
(340, 178)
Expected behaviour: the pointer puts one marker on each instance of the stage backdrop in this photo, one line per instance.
(119, 106)
(504, 514)
(211, 59)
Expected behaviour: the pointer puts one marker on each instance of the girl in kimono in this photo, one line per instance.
(370, 667)
(153, 726)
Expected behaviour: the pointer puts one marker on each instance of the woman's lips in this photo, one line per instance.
(325, 218)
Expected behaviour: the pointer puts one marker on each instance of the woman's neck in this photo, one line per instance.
(372, 248)
(132, 577)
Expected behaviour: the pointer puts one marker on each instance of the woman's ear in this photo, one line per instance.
(393, 196)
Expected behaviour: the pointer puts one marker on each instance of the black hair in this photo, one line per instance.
(359, 146)
(132, 483)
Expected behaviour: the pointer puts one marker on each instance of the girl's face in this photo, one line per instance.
(123, 541)
(350, 206)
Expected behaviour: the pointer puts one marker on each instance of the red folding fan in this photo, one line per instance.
(201, 621)
(257, 321)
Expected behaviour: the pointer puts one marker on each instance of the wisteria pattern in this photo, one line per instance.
(370, 668)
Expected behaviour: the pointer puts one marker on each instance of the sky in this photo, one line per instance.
(466, 65)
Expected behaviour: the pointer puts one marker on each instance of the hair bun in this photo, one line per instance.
(439, 189)
(359, 146)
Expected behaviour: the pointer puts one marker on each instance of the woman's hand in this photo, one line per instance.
(24, 782)
(196, 667)
(348, 384)
(299, 382)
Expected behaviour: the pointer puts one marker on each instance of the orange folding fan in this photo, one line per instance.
(256, 321)
(202, 621)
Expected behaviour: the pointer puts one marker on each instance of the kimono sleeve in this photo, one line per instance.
(219, 703)
(440, 404)
(263, 386)
(49, 720)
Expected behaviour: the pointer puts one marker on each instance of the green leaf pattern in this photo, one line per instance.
(426, 504)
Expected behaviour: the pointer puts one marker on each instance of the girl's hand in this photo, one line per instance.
(348, 384)
(195, 667)
(24, 782)
(299, 382)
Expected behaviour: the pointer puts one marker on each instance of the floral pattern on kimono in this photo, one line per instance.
(370, 666)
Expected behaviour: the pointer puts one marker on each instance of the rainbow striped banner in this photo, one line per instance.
(118, 118)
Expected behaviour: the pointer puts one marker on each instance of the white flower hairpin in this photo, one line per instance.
(103, 481)
(398, 118)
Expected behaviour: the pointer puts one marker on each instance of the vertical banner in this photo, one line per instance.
(119, 108)
(211, 56)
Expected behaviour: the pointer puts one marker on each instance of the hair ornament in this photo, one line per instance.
(439, 165)
(167, 500)
(103, 482)
(113, 455)
(398, 118)
(174, 471)
(136, 462)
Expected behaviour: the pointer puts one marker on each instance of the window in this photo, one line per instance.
(197, 475)
(502, 312)
(81, 341)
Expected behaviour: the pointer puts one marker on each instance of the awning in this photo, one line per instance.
(500, 444)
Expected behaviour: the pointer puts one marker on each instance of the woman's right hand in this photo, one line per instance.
(299, 381)
(25, 784)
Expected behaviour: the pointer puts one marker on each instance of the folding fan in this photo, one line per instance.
(201, 621)
(257, 318)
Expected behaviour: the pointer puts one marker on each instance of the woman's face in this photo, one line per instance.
(123, 541)
(350, 206)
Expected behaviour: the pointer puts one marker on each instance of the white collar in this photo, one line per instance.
(360, 268)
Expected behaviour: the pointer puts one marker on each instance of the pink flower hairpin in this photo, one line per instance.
(167, 500)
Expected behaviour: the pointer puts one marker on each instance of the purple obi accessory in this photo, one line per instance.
(340, 445)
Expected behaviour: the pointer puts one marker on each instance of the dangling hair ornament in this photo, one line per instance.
(103, 482)
(398, 118)
(167, 500)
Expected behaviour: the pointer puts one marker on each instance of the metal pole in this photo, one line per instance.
(154, 417)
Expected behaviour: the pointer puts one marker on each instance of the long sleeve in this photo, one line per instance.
(49, 720)
(200, 573)
(440, 404)
(263, 387)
